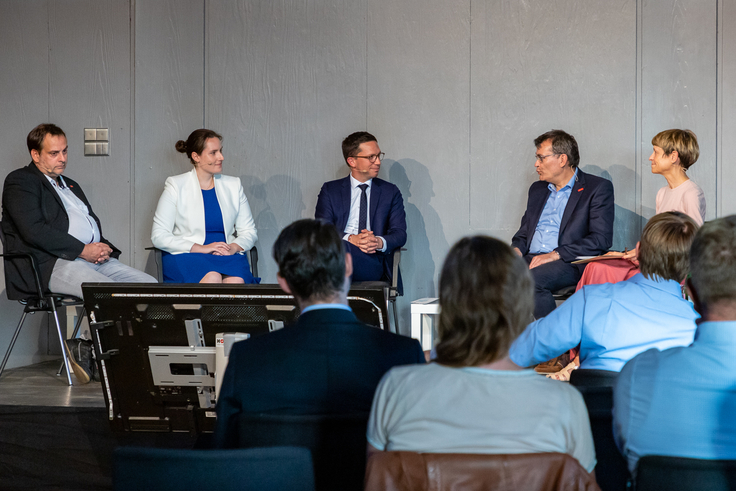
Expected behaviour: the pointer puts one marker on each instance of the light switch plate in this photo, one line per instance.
(102, 134)
(96, 141)
(90, 148)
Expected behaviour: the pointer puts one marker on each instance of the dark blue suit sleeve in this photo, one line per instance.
(228, 407)
(521, 239)
(395, 235)
(325, 207)
(600, 226)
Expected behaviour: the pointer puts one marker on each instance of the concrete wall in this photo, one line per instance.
(455, 91)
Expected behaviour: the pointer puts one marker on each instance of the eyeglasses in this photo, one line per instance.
(371, 158)
(542, 157)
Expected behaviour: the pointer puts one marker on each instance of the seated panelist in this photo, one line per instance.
(673, 152)
(473, 399)
(203, 221)
(368, 211)
(47, 215)
(569, 213)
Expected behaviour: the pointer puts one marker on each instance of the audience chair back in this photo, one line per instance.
(337, 442)
(596, 386)
(40, 301)
(655, 473)
(411, 471)
(253, 469)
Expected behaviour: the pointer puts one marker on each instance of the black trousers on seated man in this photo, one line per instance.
(548, 278)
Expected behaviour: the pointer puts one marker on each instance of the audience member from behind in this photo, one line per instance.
(473, 399)
(613, 322)
(48, 216)
(327, 362)
(681, 402)
(203, 221)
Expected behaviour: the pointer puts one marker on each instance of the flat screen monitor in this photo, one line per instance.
(156, 344)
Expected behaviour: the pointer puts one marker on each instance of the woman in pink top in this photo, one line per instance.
(673, 152)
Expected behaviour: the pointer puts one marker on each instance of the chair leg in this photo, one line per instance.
(64, 349)
(396, 316)
(74, 335)
(12, 342)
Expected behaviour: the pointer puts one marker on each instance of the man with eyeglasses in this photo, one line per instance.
(569, 214)
(368, 211)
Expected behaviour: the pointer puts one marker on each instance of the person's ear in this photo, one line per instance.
(563, 160)
(282, 282)
(693, 293)
(674, 156)
(351, 162)
(348, 265)
(35, 155)
(195, 157)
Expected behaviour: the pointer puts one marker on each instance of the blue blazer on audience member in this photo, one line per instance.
(587, 223)
(387, 216)
(328, 362)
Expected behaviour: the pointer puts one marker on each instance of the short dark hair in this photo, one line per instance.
(351, 144)
(486, 300)
(196, 142)
(35, 138)
(562, 143)
(664, 249)
(311, 258)
(713, 262)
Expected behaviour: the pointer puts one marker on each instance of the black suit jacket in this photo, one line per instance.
(387, 216)
(586, 228)
(328, 362)
(35, 221)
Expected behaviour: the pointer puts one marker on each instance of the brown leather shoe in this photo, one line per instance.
(555, 364)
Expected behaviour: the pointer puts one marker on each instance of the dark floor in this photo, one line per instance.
(38, 385)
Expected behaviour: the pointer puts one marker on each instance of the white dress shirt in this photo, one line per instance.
(351, 228)
(81, 225)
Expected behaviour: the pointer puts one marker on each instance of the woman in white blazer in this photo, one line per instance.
(203, 222)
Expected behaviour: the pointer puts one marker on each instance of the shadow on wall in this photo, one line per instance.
(425, 234)
(274, 204)
(627, 225)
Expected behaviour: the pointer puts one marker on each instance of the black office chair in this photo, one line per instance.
(252, 261)
(48, 303)
(391, 290)
(596, 386)
(337, 442)
(655, 473)
(253, 469)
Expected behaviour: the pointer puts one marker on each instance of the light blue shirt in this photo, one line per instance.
(321, 306)
(680, 402)
(81, 224)
(612, 322)
(546, 236)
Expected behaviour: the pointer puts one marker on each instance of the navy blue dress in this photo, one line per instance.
(191, 267)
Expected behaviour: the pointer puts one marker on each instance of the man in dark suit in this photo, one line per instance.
(569, 213)
(326, 363)
(367, 210)
(48, 216)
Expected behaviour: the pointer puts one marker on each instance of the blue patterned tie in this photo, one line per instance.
(363, 215)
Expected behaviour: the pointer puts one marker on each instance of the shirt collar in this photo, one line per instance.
(567, 186)
(721, 332)
(669, 286)
(354, 183)
(321, 306)
(61, 184)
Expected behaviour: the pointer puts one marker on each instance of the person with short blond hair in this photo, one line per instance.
(613, 322)
(472, 399)
(680, 402)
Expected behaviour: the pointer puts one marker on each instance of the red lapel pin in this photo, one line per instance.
(580, 189)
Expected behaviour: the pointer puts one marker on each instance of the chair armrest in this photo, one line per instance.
(159, 263)
(253, 260)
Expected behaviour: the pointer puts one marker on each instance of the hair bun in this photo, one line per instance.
(181, 146)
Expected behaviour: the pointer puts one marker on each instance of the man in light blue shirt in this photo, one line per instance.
(681, 402)
(612, 323)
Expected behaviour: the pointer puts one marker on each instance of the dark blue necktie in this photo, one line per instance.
(363, 215)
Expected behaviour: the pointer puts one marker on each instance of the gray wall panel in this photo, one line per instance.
(24, 80)
(89, 67)
(679, 88)
(727, 109)
(418, 64)
(285, 83)
(540, 65)
(169, 102)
